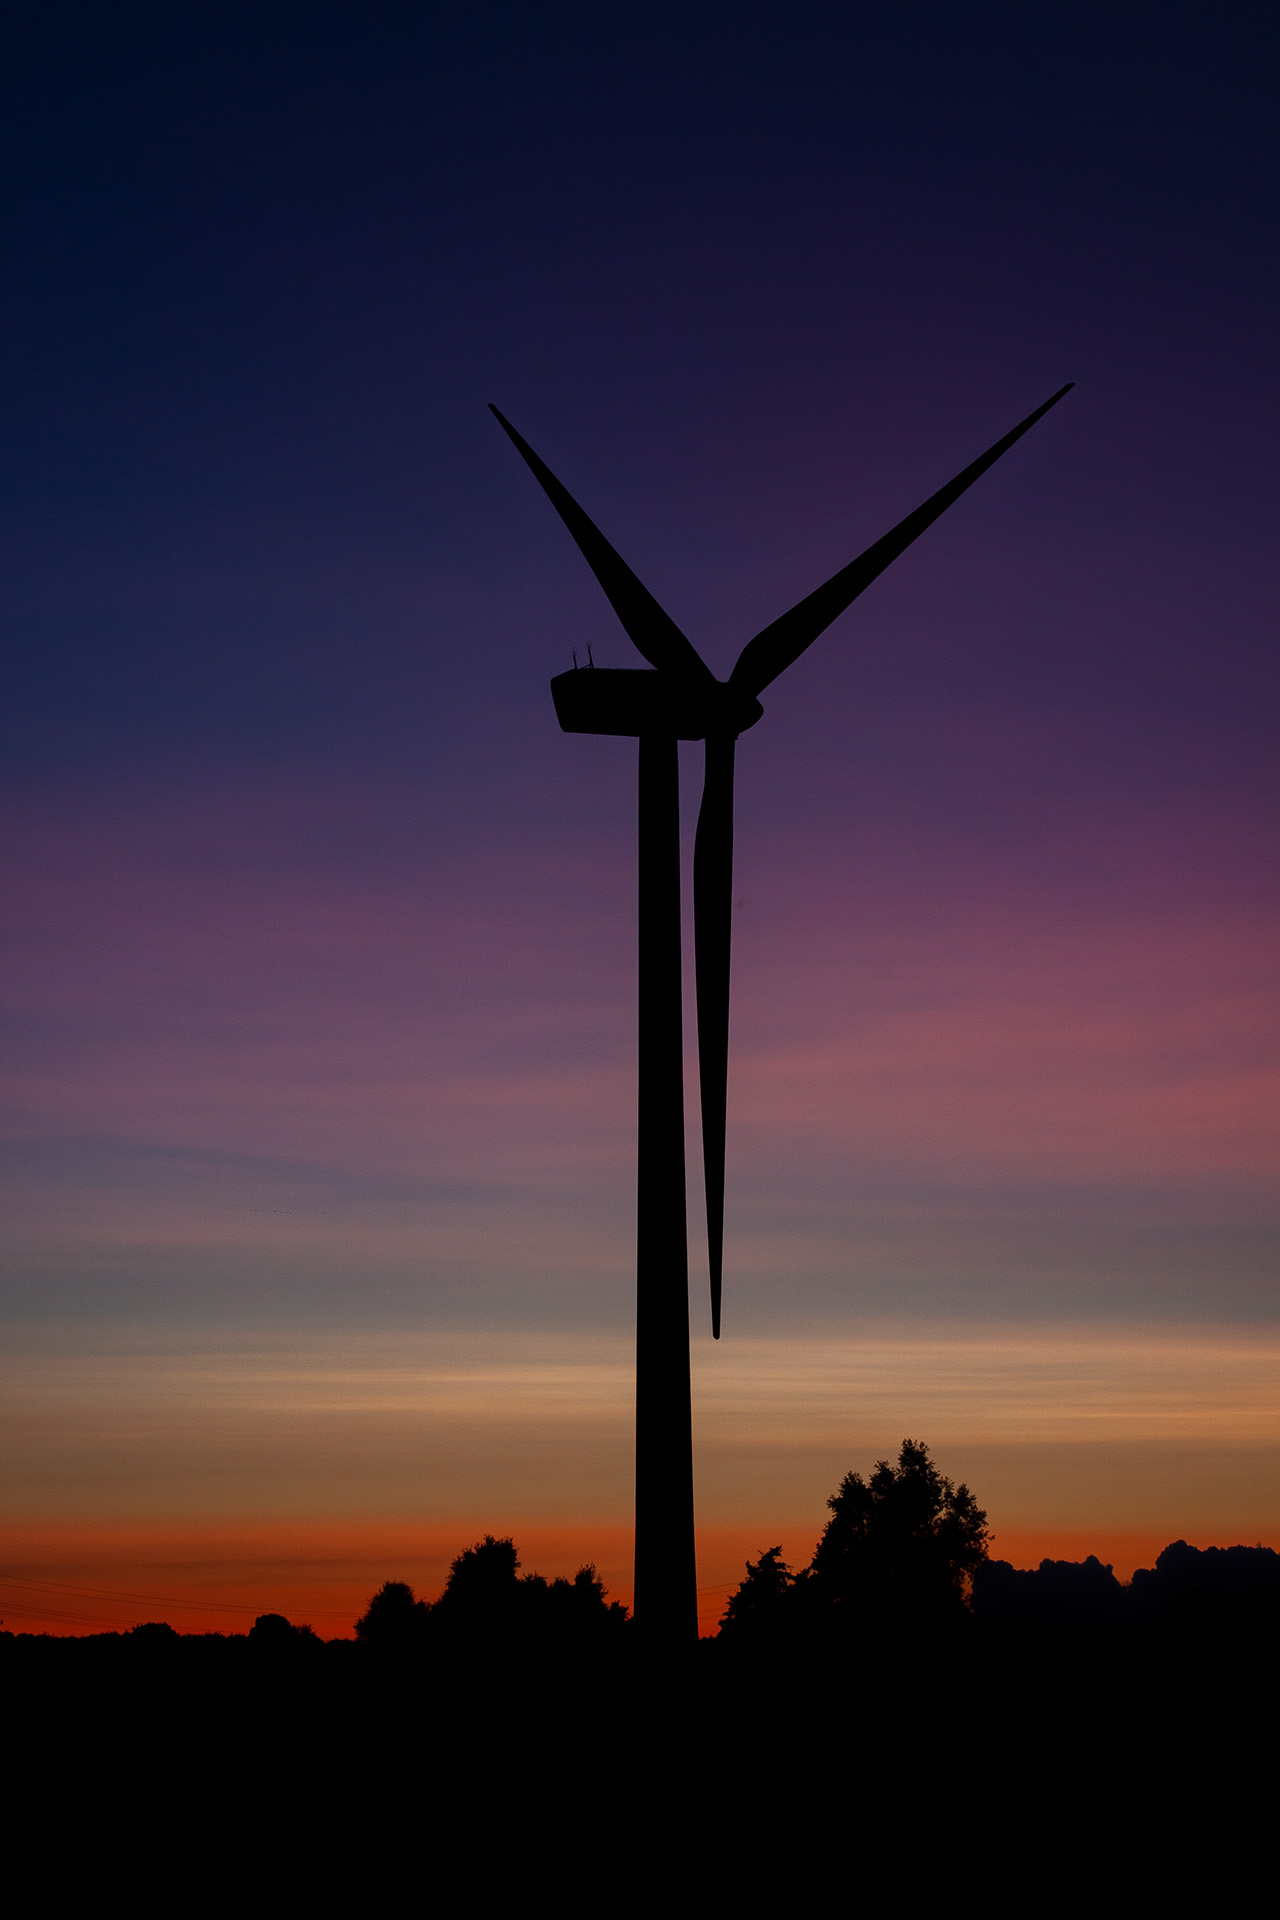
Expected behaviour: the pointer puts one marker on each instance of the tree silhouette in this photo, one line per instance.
(584, 1602)
(394, 1619)
(482, 1591)
(487, 1600)
(899, 1549)
(569, 1612)
(763, 1606)
(903, 1545)
(487, 1594)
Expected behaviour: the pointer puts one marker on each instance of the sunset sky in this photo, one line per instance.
(320, 973)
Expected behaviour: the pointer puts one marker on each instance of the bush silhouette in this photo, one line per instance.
(1184, 1573)
(394, 1619)
(487, 1593)
(570, 1611)
(1214, 1580)
(276, 1630)
(487, 1599)
(482, 1589)
(1057, 1590)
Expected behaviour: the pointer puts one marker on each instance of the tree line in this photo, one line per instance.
(904, 1551)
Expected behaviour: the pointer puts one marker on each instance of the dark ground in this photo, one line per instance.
(994, 1762)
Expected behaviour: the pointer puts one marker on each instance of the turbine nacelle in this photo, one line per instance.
(631, 701)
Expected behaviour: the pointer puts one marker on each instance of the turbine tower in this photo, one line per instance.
(682, 700)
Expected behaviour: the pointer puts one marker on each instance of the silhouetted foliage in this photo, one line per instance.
(762, 1608)
(900, 1548)
(394, 1619)
(482, 1590)
(569, 1610)
(275, 1630)
(487, 1600)
(1088, 1593)
(1056, 1590)
(1184, 1573)
(580, 1609)
(903, 1545)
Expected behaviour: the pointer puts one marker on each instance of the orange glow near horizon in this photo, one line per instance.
(63, 1578)
(233, 1477)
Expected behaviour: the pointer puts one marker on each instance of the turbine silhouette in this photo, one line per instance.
(683, 700)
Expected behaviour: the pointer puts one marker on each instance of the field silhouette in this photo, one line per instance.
(904, 1697)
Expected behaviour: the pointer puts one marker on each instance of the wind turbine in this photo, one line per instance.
(683, 700)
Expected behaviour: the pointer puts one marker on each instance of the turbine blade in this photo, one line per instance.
(712, 932)
(775, 648)
(653, 631)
